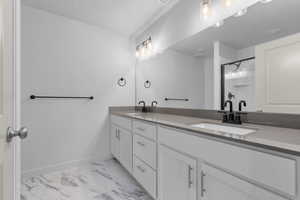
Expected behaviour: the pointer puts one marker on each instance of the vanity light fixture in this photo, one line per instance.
(205, 7)
(137, 51)
(241, 12)
(228, 3)
(144, 49)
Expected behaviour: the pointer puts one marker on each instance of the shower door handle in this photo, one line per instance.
(22, 133)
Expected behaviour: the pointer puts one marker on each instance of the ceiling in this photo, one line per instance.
(262, 23)
(123, 16)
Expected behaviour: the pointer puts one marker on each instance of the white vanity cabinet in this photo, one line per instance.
(121, 141)
(125, 138)
(173, 164)
(216, 184)
(145, 155)
(115, 141)
(177, 176)
(263, 170)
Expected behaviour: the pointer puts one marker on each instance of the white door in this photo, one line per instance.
(277, 75)
(9, 99)
(176, 176)
(115, 141)
(218, 185)
(126, 149)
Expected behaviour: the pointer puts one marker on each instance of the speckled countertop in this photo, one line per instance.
(280, 139)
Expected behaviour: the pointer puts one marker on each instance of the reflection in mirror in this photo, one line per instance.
(267, 33)
(238, 83)
(174, 75)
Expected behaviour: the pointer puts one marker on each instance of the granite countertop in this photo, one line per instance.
(285, 140)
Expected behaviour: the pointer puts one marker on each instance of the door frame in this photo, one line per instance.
(12, 96)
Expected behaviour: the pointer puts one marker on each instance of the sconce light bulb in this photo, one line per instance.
(228, 3)
(137, 53)
(205, 9)
(143, 51)
(150, 45)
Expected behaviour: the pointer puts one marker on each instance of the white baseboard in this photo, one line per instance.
(61, 166)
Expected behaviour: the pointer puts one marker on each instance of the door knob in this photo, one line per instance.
(22, 133)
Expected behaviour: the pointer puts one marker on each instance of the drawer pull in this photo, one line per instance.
(118, 134)
(141, 169)
(190, 181)
(202, 190)
(141, 143)
(141, 129)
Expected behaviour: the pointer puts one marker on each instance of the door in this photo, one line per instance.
(278, 75)
(9, 99)
(126, 149)
(115, 141)
(176, 175)
(219, 185)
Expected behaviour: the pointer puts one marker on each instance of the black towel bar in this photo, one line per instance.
(172, 99)
(59, 97)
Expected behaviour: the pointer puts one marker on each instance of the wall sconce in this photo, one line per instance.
(227, 3)
(144, 49)
(206, 7)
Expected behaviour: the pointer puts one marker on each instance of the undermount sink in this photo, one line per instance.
(136, 114)
(224, 129)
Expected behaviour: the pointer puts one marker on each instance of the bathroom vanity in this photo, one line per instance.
(173, 157)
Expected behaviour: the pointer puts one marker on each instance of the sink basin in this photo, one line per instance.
(224, 129)
(136, 114)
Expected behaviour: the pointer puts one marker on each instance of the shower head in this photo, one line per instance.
(238, 64)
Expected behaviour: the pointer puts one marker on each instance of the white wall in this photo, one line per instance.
(61, 56)
(209, 82)
(173, 75)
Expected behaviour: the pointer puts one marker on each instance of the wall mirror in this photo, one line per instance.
(253, 56)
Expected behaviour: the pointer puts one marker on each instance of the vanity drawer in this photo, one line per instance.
(266, 169)
(145, 176)
(145, 150)
(121, 121)
(145, 129)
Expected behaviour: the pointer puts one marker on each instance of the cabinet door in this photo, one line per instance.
(218, 185)
(115, 142)
(126, 149)
(176, 175)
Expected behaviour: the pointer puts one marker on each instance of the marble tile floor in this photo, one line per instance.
(105, 180)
